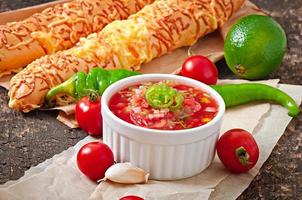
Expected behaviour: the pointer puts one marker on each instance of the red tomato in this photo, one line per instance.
(88, 115)
(237, 150)
(131, 197)
(200, 68)
(94, 159)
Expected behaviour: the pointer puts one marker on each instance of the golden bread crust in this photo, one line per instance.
(157, 29)
(58, 28)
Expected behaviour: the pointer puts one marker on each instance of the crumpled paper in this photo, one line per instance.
(210, 46)
(59, 178)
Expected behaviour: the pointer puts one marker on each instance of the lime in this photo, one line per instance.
(255, 46)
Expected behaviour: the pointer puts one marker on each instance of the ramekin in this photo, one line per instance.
(165, 154)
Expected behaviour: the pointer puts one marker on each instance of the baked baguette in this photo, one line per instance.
(155, 30)
(58, 28)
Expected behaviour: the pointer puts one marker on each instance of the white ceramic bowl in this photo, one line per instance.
(165, 154)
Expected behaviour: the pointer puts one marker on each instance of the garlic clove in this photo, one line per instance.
(126, 173)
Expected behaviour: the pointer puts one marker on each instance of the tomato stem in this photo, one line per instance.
(93, 95)
(190, 52)
(242, 155)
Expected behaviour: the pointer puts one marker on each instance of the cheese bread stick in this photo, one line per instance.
(58, 28)
(157, 29)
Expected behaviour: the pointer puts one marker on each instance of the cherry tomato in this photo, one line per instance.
(237, 150)
(88, 115)
(131, 197)
(94, 159)
(200, 68)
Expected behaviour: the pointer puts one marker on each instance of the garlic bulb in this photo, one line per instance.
(126, 173)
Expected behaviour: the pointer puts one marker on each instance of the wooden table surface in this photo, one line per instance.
(29, 139)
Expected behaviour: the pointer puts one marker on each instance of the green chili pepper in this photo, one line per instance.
(82, 84)
(238, 94)
(163, 96)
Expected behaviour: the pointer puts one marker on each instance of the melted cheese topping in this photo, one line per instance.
(126, 43)
(130, 42)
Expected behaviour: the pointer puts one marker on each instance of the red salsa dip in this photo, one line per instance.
(164, 105)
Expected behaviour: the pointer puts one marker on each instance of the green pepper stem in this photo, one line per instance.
(67, 87)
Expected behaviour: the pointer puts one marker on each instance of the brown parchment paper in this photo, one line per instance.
(210, 46)
(215, 182)
(58, 178)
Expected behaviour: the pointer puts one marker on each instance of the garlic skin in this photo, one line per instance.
(126, 173)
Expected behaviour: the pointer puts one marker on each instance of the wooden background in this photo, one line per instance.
(28, 139)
